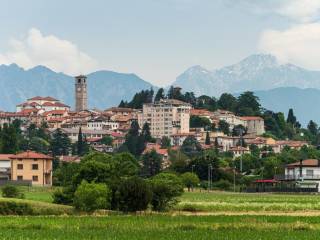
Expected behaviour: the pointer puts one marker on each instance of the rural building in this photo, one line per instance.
(32, 166)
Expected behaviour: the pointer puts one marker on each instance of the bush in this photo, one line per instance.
(63, 196)
(190, 180)
(92, 196)
(222, 185)
(166, 187)
(134, 194)
(10, 191)
(15, 208)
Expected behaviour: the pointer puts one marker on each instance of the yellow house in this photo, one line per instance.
(32, 166)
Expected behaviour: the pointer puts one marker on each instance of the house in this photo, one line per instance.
(32, 166)
(44, 103)
(163, 152)
(254, 125)
(5, 166)
(239, 151)
(304, 174)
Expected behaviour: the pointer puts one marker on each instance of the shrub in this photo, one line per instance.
(91, 196)
(166, 187)
(15, 208)
(63, 196)
(222, 185)
(10, 191)
(134, 194)
(190, 180)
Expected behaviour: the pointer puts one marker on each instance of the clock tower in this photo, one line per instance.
(81, 93)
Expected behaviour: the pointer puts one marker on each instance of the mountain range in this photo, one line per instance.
(279, 86)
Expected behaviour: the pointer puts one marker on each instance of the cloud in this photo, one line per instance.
(296, 10)
(299, 44)
(57, 54)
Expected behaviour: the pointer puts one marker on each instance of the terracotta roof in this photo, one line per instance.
(55, 112)
(200, 112)
(305, 163)
(6, 156)
(157, 148)
(42, 98)
(30, 155)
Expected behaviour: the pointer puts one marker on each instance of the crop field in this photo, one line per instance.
(215, 215)
(160, 227)
(251, 202)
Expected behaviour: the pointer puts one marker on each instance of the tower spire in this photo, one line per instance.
(81, 93)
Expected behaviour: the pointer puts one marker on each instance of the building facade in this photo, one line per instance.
(32, 166)
(166, 117)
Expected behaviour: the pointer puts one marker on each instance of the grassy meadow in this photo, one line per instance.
(214, 215)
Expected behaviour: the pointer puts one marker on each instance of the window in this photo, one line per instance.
(35, 178)
(19, 178)
(309, 172)
(20, 166)
(35, 167)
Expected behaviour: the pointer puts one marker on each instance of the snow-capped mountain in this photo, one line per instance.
(256, 72)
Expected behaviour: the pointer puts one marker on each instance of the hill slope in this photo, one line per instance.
(105, 88)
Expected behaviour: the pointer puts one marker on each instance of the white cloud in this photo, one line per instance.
(299, 44)
(57, 54)
(296, 10)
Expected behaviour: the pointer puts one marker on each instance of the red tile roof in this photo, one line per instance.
(6, 156)
(305, 163)
(30, 155)
(250, 118)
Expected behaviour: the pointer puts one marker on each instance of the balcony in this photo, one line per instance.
(284, 177)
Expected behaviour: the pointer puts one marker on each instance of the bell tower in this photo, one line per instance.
(81, 93)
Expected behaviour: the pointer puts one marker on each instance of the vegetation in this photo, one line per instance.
(10, 191)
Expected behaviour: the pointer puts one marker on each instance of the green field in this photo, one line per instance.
(246, 202)
(215, 215)
(160, 227)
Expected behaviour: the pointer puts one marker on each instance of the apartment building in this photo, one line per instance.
(32, 166)
(166, 117)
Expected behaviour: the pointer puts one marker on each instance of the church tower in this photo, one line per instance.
(81, 93)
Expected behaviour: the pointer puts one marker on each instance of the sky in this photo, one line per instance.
(156, 39)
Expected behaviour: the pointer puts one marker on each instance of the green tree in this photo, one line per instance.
(248, 105)
(9, 140)
(200, 122)
(313, 128)
(92, 196)
(151, 163)
(191, 146)
(60, 143)
(166, 188)
(227, 102)
(159, 95)
(134, 194)
(291, 117)
(146, 134)
(165, 142)
(224, 127)
(107, 140)
(190, 180)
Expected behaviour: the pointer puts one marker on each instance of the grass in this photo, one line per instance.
(160, 227)
(243, 202)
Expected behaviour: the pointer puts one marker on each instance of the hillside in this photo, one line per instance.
(105, 88)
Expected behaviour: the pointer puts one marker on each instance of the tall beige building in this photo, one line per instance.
(166, 117)
(81, 93)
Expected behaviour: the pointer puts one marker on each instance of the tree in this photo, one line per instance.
(227, 102)
(224, 127)
(80, 143)
(200, 122)
(135, 143)
(207, 141)
(239, 130)
(107, 140)
(191, 146)
(9, 141)
(175, 93)
(190, 180)
(248, 105)
(151, 163)
(159, 95)
(291, 117)
(60, 143)
(313, 128)
(165, 142)
(146, 134)
(133, 194)
(92, 196)
(166, 188)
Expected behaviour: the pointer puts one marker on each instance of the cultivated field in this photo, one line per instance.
(215, 215)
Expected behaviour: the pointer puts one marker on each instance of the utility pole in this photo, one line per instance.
(241, 140)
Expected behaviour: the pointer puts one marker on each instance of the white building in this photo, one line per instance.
(45, 104)
(166, 117)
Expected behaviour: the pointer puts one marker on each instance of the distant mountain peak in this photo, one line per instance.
(196, 69)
